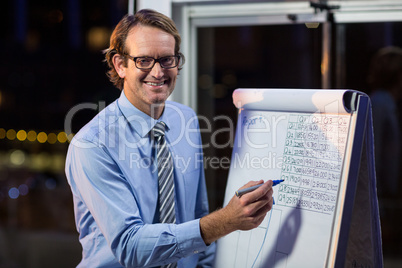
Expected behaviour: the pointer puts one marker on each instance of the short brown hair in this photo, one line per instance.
(145, 17)
(385, 68)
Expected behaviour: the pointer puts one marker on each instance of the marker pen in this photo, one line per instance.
(241, 192)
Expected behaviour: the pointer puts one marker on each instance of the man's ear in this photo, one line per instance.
(119, 65)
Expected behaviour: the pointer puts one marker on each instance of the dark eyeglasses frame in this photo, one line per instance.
(155, 61)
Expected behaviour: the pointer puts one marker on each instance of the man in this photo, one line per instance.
(114, 171)
(385, 80)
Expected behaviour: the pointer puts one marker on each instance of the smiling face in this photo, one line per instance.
(147, 89)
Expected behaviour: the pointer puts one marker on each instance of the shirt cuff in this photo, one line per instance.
(189, 238)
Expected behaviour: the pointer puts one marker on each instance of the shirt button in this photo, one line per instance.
(195, 251)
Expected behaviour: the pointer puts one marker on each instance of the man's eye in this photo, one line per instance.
(144, 60)
(167, 60)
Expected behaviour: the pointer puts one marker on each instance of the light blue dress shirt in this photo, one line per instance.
(112, 171)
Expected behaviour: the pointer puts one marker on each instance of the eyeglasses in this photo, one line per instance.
(147, 63)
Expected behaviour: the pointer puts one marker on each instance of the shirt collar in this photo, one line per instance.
(140, 121)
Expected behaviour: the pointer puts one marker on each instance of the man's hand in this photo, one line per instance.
(241, 213)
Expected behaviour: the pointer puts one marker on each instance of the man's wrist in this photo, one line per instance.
(215, 226)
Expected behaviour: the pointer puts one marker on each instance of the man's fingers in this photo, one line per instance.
(260, 192)
(262, 205)
(251, 184)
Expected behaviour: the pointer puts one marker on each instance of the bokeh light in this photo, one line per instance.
(21, 135)
(31, 135)
(51, 138)
(17, 157)
(62, 137)
(13, 193)
(23, 189)
(11, 134)
(70, 137)
(42, 137)
(2, 133)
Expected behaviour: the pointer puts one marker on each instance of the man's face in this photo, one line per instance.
(145, 88)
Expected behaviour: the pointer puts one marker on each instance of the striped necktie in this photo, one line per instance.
(165, 176)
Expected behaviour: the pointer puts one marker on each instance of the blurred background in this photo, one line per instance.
(51, 55)
(51, 60)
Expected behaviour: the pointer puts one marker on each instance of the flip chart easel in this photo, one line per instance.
(326, 211)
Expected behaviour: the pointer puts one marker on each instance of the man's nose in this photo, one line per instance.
(157, 70)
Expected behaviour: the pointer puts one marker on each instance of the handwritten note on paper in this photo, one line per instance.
(312, 161)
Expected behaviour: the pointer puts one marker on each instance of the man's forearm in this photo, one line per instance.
(215, 226)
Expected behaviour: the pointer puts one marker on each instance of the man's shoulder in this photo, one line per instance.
(103, 120)
(175, 107)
